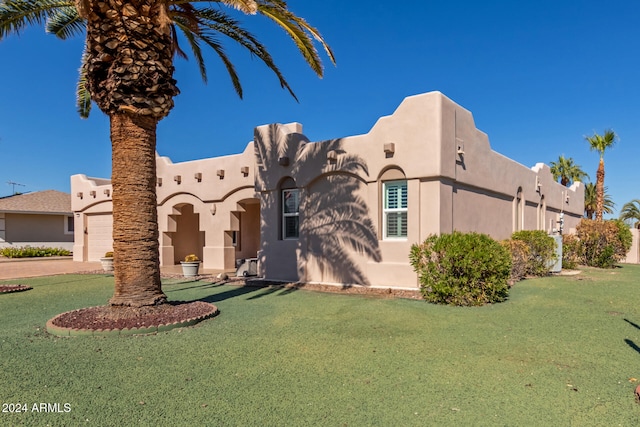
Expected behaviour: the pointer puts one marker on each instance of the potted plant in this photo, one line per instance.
(107, 262)
(190, 265)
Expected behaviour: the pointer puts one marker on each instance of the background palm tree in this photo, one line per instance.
(630, 213)
(600, 143)
(128, 72)
(567, 171)
(591, 201)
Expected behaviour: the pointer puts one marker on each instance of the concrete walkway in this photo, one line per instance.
(16, 268)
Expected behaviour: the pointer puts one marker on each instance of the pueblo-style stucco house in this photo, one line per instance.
(42, 218)
(341, 211)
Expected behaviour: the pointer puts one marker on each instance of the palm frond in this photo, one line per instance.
(600, 143)
(218, 22)
(65, 22)
(290, 23)
(83, 97)
(17, 15)
(250, 7)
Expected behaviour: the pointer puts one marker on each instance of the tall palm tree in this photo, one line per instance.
(630, 212)
(567, 171)
(600, 143)
(591, 201)
(128, 72)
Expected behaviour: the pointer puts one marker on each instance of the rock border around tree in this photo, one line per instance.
(7, 289)
(58, 324)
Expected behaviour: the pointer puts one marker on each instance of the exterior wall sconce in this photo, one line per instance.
(92, 193)
(79, 194)
(198, 176)
(538, 185)
(213, 209)
(332, 156)
(159, 182)
(177, 179)
(389, 148)
(244, 170)
(107, 192)
(283, 161)
(566, 198)
(220, 173)
(460, 147)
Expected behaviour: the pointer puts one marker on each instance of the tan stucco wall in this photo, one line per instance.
(454, 182)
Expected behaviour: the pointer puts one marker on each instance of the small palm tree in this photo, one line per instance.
(600, 143)
(630, 213)
(567, 171)
(591, 201)
(127, 71)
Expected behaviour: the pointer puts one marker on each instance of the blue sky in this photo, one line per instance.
(538, 77)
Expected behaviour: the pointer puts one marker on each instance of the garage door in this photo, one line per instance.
(99, 236)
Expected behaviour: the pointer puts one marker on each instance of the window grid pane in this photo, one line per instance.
(290, 214)
(395, 209)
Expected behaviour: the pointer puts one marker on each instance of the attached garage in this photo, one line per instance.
(98, 236)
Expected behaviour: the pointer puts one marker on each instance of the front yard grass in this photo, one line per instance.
(560, 351)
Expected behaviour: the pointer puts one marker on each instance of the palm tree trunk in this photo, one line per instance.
(135, 217)
(600, 190)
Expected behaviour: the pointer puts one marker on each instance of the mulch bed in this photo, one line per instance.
(5, 289)
(120, 318)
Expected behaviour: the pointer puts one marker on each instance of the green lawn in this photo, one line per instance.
(561, 351)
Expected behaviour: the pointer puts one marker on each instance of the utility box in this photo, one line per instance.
(247, 267)
(557, 266)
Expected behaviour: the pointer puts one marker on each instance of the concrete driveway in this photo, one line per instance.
(16, 268)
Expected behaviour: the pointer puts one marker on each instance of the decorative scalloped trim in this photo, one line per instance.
(75, 332)
(14, 288)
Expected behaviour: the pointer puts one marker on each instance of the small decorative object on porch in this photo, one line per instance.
(107, 262)
(190, 265)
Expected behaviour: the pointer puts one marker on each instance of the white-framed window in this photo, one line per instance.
(290, 214)
(394, 212)
(69, 225)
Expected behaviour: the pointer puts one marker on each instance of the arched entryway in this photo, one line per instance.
(244, 234)
(187, 237)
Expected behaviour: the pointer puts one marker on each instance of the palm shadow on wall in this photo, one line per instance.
(335, 224)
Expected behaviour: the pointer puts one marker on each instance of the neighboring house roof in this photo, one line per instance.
(40, 202)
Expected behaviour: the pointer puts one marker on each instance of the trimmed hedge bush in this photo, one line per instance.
(603, 243)
(30, 251)
(519, 258)
(571, 251)
(542, 251)
(466, 269)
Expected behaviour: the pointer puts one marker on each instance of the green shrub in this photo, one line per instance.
(624, 239)
(519, 256)
(542, 251)
(571, 251)
(31, 251)
(462, 269)
(603, 243)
